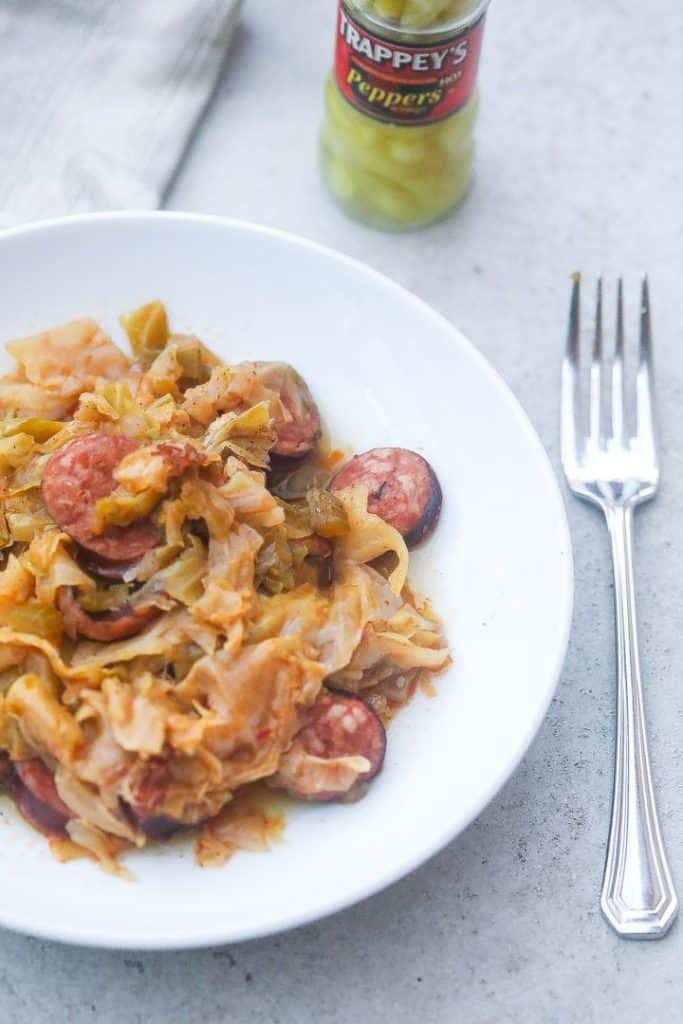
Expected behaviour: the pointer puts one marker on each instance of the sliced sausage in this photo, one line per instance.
(104, 567)
(38, 778)
(155, 826)
(337, 727)
(75, 478)
(403, 489)
(39, 815)
(37, 798)
(298, 432)
(159, 826)
(148, 787)
(179, 457)
(118, 624)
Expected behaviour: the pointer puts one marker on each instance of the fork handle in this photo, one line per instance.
(638, 895)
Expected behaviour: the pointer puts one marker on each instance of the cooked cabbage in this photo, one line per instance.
(248, 435)
(260, 600)
(121, 509)
(147, 330)
(114, 405)
(369, 537)
(55, 367)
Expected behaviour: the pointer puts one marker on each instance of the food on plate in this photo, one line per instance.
(121, 621)
(201, 602)
(37, 798)
(403, 489)
(297, 422)
(340, 745)
(76, 478)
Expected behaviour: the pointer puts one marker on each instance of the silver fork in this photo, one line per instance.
(618, 471)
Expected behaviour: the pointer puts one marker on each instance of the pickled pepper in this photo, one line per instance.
(400, 108)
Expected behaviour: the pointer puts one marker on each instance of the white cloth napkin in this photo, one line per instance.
(99, 98)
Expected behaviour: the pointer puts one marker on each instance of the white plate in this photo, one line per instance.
(386, 370)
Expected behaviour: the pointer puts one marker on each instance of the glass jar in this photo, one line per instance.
(400, 108)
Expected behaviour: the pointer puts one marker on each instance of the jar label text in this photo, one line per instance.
(407, 83)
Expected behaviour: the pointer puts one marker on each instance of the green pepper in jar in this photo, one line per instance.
(397, 137)
(416, 13)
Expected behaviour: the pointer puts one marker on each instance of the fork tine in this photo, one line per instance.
(570, 426)
(644, 381)
(618, 369)
(596, 372)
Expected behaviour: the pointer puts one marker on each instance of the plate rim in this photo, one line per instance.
(224, 935)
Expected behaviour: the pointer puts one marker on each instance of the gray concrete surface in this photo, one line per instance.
(579, 167)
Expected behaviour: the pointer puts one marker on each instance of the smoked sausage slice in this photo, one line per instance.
(37, 798)
(104, 567)
(403, 489)
(118, 624)
(297, 434)
(75, 478)
(337, 727)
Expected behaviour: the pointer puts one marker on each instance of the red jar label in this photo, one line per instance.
(405, 83)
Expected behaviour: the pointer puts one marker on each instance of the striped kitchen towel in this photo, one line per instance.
(99, 98)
